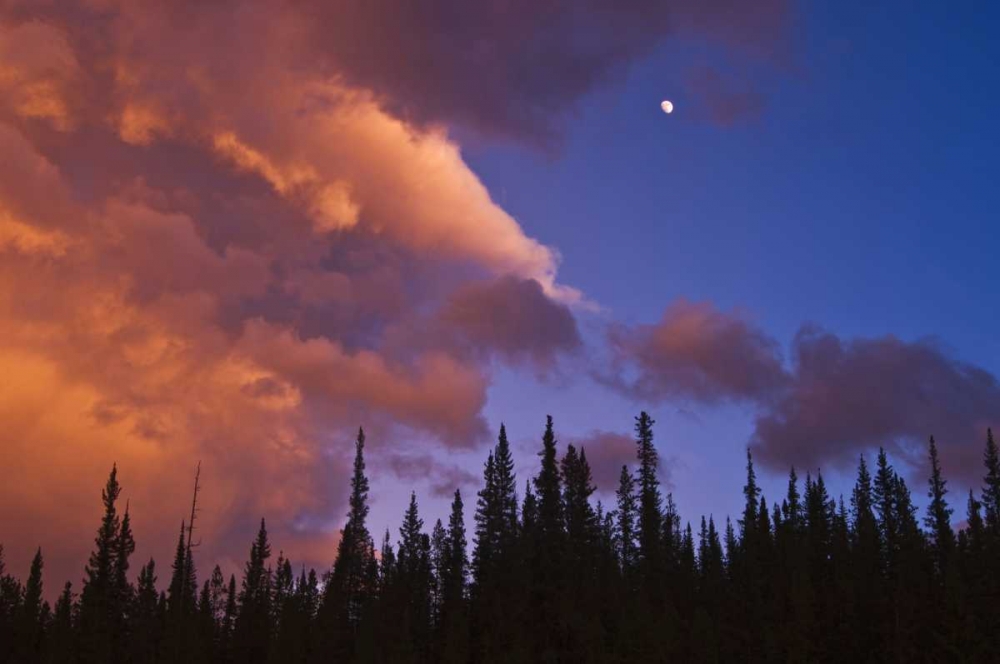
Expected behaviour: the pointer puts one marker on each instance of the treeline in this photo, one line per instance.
(554, 576)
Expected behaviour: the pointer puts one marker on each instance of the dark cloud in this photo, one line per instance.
(849, 396)
(512, 317)
(697, 352)
(515, 67)
(607, 452)
(839, 397)
(441, 478)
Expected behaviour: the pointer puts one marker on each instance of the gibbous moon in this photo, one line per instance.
(667, 106)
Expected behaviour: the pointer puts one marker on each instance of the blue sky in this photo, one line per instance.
(862, 198)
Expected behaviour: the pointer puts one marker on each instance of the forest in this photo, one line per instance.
(549, 574)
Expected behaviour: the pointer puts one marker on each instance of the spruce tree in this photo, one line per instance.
(548, 485)
(991, 486)
(454, 633)
(938, 518)
(30, 619)
(581, 524)
(60, 642)
(883, 494)
(252, 632)
(439, 554)
(866, 566)
(506, 487)
(100, 606)
(145, 619)
(650, 500)
(485, 550)
(181, 623)
(353, 582)
(625, 543)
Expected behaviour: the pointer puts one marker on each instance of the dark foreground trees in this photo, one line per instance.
(554, 576)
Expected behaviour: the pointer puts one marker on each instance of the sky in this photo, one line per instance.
(234, 233)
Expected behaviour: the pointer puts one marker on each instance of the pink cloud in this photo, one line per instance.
(697, 352)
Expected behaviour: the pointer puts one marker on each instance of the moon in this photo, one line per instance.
(667, 106)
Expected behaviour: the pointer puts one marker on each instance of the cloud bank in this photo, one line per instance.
(835, 399)
(230, 232)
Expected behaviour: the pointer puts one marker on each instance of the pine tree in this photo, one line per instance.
(991, 486)
(792, 508)
(10, 599)
(282, 598)
(415, 580)
(353, 582)
(625, 531)
(581, 523)
(650, 500)
(228, 627)
(145, 619)
(484, 551)
(181, 623)
(439, 554)
(866, 566)
(100, 606)
(938, 518)
(457, 560)
(506, 487)
(751, 494)
(252, 632)
(883, 494)
(455, 627)
(548, 484)
(60, 641)
(30, 620)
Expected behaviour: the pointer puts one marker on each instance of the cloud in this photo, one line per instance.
(517, 68)
(699, 353)
(220, 221)
(206, 259)
(442, 479)
(839, 398)
(849, 396)
(513, 317)
(607, 452)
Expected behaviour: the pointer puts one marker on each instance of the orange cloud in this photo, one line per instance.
(210, 257)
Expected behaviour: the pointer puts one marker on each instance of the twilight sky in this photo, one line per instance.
(233, 232)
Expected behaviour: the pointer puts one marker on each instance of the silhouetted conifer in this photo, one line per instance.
(625, 540)
(252, 632)
(807, 580)
(354, 579)
(101, 607)
(938, 518)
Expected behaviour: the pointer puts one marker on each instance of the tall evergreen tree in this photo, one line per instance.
(353, 582)
(454, 632)
(485, 551)
(181, 622)
(884, 493)
(650, 500)
(506, 487)
(991, 486)
(30, 619)
(625, 531)
(145, 619)
(866, 566)
(581, 522)
(548, 485)
(938, 518)
(101, 608)
(252, 632)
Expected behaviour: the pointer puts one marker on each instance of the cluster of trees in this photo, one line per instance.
(555, 577)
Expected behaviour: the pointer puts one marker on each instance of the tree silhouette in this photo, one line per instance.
(809, 579)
